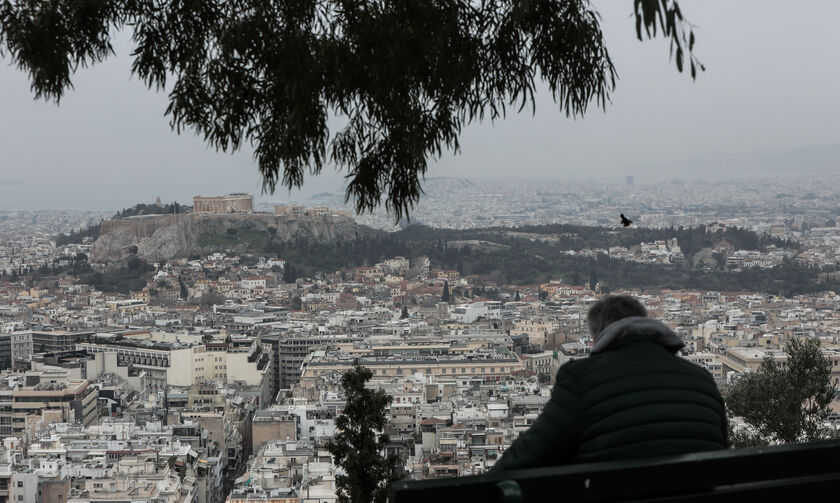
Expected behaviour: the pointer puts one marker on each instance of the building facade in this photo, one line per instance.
(5, 351)
(21, 346)
(66, 400)
(54, 341)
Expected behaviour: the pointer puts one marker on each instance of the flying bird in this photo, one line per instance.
(625, 221)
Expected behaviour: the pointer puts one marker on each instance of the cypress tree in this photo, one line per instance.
(358, 447)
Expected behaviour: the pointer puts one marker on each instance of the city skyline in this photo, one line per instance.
(654, 286)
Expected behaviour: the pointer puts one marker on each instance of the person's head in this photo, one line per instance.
(611, 309)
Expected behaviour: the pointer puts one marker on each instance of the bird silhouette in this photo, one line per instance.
(625, 221)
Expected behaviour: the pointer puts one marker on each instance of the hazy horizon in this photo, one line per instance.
(766, 106)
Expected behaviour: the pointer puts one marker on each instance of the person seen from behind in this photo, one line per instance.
(632, 397)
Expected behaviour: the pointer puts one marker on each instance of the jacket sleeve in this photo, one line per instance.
(554, 436)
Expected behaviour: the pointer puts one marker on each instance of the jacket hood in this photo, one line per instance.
(637, 328)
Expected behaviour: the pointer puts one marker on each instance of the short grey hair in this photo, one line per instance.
(610, 309)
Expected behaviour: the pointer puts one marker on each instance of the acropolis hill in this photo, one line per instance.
(162, 237)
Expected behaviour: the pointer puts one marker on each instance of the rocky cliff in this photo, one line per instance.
(165, 237)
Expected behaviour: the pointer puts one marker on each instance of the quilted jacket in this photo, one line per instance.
(632, 397)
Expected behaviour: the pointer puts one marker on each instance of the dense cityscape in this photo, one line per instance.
(168, 353)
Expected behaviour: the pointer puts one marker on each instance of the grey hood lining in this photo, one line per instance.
(636, 326)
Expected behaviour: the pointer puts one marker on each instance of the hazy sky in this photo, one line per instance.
(770, 91)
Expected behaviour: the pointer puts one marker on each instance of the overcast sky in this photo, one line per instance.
(770, 92)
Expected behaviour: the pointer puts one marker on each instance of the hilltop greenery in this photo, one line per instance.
(152, 209)
(576, 237)
(93, 231)
(522, 256)
(506, 258)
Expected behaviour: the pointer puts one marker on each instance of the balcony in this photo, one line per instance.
(799, 472)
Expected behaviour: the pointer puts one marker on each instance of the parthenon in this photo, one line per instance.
(231, 203)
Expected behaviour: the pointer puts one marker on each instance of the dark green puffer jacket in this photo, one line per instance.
(633, 397)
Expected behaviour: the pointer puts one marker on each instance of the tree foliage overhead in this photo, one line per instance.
(403, 78)
(786, 402)
(358, 447)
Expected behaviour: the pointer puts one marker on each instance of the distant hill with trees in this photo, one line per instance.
(529, 255)
(505, 257)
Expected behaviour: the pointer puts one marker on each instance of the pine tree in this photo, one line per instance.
(358, 447)
(445, 296)
(517, 298)
(404, 313)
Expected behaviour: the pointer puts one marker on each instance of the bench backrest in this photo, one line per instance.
(798, 470)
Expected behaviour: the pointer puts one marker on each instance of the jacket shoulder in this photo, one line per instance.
(573, 369)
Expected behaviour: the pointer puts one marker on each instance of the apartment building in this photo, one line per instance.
(41, 394)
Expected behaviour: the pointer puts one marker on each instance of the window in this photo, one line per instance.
(20, 483)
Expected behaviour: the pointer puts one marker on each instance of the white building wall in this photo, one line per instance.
(239, 368)
(24, 487)
(21, 345)
(181, 368)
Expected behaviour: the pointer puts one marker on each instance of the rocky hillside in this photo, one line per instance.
(162, 238)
